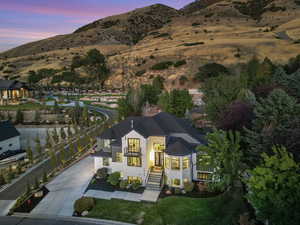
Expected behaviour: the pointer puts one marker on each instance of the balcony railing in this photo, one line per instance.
(129, 152)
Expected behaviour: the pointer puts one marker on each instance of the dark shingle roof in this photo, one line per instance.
(179, 147)
(7, 130)
(162, 124)
(11, 85)
(102, 153)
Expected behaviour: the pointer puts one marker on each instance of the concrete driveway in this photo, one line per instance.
(65, 189)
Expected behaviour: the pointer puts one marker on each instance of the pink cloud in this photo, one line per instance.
(22, 34)
(62, 8)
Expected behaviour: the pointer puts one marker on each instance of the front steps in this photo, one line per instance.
(154, 181)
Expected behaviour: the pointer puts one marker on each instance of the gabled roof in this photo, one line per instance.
(7, 131)
(162, 124)
(179, 147)
(11, 85)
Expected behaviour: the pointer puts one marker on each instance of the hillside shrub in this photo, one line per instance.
(102, 173)
(211, 70)
(180, 63)
(162, 35)
(182, 80)
(195, 24)
(188, 187)
(140, 73)
(193, 43)
(114, 178)
(84, 204)
(162, 65)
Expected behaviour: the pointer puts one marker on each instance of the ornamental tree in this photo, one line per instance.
(273, 188)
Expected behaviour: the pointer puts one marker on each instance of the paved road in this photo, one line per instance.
(52, 221)
(65, 189)
(8, 196)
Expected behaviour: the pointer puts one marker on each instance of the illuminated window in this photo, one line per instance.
(175, 164)
(105, 161)
(134, 161)
(106, 143)
(204, 176)
(185, 162)
(119, 157)
(167, 163)
(176, 182)
(134, 145)
(132, 179)
(158, 147)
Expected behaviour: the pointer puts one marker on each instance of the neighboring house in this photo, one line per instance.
(9, 137)
(11, 91)
(155, 150)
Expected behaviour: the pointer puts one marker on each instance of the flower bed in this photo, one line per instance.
(103, 185)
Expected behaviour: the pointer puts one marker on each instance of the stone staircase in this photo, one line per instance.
(154, 180)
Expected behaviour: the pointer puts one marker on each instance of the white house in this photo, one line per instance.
(9, 137)
(155, 150)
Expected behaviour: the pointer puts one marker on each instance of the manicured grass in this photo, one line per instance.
(25, 106)
(221, 210)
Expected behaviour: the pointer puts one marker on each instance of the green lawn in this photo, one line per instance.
(221, 210)
(25, 106)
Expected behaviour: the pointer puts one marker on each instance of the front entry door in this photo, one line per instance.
(159, 159)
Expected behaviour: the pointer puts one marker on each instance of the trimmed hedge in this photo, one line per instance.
(84, 204)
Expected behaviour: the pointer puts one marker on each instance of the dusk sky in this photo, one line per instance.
(23, 21)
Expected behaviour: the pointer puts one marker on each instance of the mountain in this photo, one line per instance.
(227, 32)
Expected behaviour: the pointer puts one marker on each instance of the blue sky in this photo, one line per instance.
(23, 21)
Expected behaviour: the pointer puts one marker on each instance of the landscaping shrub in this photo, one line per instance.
(123, 184)
(177, 191)
(180, 63)
(188, 187)
(101, 173)
(136, 184)
(162, 65)
(114, 178)
(195, 24)
(84, 204)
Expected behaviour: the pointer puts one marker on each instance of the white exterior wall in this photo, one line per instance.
(135, 171)
(99, 164)
(182, 174)
(14, 142)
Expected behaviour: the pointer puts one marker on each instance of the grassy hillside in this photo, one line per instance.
(222, 32)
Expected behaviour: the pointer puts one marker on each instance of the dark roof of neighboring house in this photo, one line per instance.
(102, 153)
(179, 147)
(11, 85)
(7, 131)
(162, 124)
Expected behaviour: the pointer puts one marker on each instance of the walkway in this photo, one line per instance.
(149, 196)
(65, 189)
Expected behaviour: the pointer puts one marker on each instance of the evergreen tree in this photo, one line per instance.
(62, 133)
(45, 177)
(48, 140)
(53, 159)
(28, 188)
(2, 179)
(38, 145)
(19, 117)
(36, 183)
(29, 153)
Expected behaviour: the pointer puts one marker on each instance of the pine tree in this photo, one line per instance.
(48, 141)
(2, 179)
(19, 117)
(36, 183)
(28, 188)
(29, 153)
(62, 133)
(45, 177)
(38, 145)
(53, 159)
